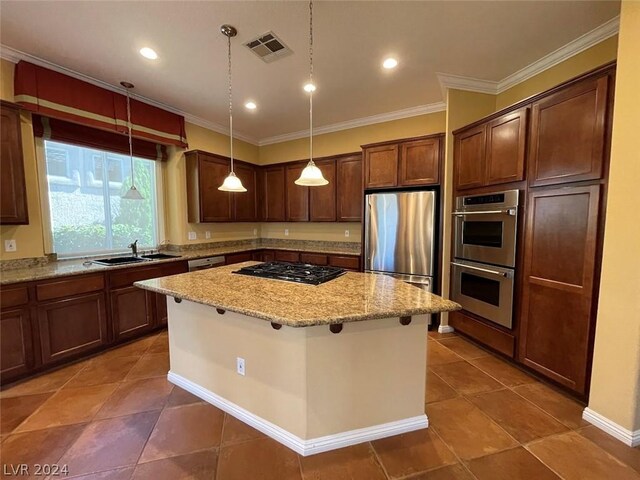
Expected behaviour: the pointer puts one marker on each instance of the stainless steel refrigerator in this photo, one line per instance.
(399, 236)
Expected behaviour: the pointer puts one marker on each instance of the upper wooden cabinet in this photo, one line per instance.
(420, 162)
(568, 130)
(205, 173)
(349, 188)
(13, 191)
(297, 197)
(322, 200)
(205, 203)
(273, 189)
(492, 152)
(381, 166)
(412, 162)
(245, 204)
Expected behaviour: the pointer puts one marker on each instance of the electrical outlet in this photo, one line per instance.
(286, 232)
(207, 234)
(10, 245)
(346, 233)
(255, 232)
(192, 235)
(240, 366)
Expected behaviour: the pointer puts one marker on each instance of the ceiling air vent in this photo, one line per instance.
(268, 47)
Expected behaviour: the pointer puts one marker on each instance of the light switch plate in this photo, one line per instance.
(192, 235)
(10, 245)
(240, 366)
(346, 233)
(207, 234)
(286, 232)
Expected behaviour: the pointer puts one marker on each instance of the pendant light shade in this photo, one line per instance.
(311, 176)
(133, 193)
(231, 183)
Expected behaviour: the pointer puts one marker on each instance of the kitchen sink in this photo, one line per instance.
(159, 256)
(118, 260)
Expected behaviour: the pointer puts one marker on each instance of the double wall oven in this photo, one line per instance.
(483, 269)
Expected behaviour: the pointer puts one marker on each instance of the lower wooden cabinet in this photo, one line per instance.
(162, 317)
(287, 256)
(237, 258)
(71, 326)
(131, 311)
(16, 345)
(557, 315)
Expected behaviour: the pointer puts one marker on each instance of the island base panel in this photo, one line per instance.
(308, 388)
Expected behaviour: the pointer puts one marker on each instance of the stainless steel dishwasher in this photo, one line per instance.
(204, 263)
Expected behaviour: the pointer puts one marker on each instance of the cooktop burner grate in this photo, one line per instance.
(293, 272)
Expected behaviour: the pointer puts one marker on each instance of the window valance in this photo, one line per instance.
(58, 96)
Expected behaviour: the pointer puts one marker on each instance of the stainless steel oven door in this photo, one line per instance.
(487, 236)
(485, 290)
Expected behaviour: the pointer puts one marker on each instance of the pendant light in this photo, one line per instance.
(231, 183)
(311, 176)
(133, 193)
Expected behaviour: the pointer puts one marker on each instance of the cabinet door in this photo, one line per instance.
(72, 326)
(285, 256)
(13, 192)
(215, 206)
(322, 200)
(16, 347)
(506, 138)
(162, 317)
(297, 197)
(273, 188)
(343, 261)
(314, 258)
(469, 157)
(237, 258)
(244, 204)
(420, 162)
(349, 189)
(268, 256)
(132, 311)
(568, 134)
(381, 166)
(560, 261)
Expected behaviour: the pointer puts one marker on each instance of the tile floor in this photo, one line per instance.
(115, 417)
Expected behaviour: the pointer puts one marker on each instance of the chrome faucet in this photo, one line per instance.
(134, 248)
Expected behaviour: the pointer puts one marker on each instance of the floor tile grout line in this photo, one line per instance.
(379, 461)
(224, 422)
(458, 458)
(542, 409)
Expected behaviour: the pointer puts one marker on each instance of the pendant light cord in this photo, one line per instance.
(311, 82)
(230, 104)
(130, 139)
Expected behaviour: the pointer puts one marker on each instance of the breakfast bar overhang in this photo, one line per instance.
(323, 366)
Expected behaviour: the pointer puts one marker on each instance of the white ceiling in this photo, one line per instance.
(488, 40)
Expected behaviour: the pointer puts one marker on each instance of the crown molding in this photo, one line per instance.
(14, 56)
(358, 122)
(574, 47)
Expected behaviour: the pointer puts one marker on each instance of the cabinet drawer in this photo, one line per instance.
(13, 297)
(284, 256)
(314, 258)
(124, 278)
(343, 261)
(484, 333)
(69, 287)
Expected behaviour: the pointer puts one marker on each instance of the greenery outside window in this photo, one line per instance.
(88, 215)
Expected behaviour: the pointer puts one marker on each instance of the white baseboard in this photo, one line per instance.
(295, 443)
(628, 437)
(445, 329)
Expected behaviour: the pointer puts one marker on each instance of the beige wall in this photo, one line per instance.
(347, 141)
(591, 58)
(29, 238)
(615, 382)
(296, 378)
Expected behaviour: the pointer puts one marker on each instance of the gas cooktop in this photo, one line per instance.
(293, 272)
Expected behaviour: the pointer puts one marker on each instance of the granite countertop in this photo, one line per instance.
(351, 297)
(81, 266)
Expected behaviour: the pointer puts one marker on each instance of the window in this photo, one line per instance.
(88, 214)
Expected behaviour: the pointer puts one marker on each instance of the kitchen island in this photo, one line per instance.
(316, 367)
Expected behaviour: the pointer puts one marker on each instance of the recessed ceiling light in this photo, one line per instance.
(149, 53)
(390, 63)
(309, 87)
(251, 105)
